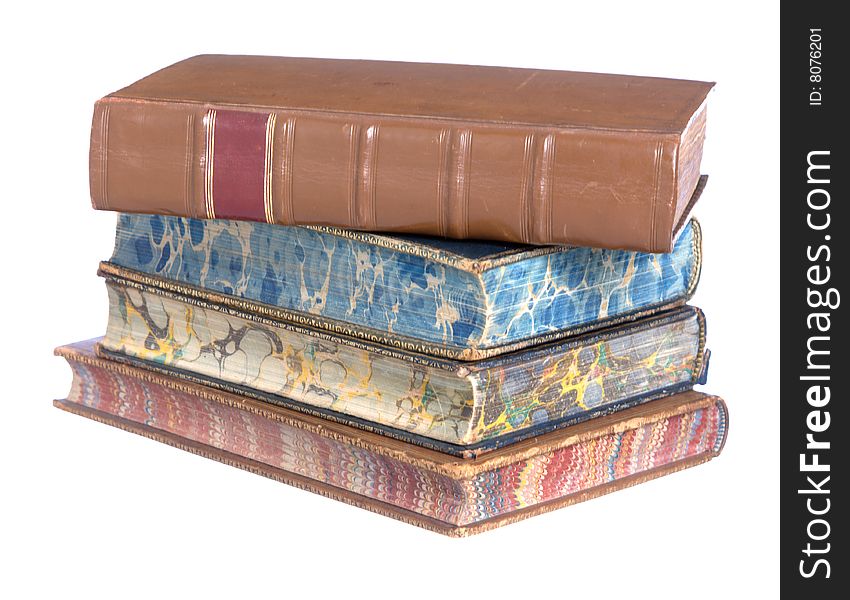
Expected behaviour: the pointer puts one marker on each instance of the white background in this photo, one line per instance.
(94, 512)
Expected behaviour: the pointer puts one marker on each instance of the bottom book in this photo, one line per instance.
(440, 492)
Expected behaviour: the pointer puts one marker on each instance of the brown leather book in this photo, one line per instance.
(520, 155)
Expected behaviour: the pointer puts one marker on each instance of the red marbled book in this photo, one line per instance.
(444, 493)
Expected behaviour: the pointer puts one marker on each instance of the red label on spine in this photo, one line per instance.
(239, 162)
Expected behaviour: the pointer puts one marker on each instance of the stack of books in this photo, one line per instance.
(452, 295)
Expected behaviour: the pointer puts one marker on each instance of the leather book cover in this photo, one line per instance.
(454, 496)
(467, 152)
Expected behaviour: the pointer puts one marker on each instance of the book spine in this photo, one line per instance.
(537, 185)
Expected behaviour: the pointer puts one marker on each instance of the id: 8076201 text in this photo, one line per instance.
(815, 67)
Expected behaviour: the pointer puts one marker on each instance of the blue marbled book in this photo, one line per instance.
(464, 300)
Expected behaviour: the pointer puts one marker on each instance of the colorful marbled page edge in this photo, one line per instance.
(458, 403)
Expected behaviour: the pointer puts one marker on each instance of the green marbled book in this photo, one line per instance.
(456, 406)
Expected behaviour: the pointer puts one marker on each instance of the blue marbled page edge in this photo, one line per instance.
(446, 303)
(582, 286)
